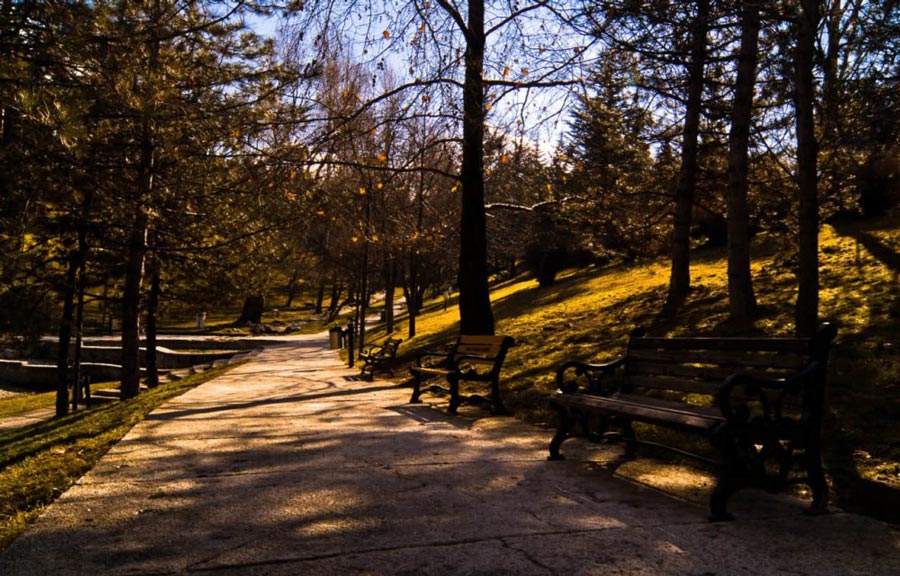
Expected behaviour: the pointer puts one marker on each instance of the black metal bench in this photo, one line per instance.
(469, 359)
(376, 356)
(758, 400)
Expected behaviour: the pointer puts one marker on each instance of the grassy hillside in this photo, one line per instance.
(587, 314)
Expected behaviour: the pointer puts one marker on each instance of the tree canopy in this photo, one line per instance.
(188, 151)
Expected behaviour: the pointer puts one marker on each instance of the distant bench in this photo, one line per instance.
(377, 356)
(759, 401)
(469, 359)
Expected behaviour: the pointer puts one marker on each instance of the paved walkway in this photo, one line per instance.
(288, 465)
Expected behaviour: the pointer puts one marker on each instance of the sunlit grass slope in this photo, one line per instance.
(588, 313)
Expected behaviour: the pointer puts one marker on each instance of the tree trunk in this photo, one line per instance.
(740, 280)
(137, 245)
(152, 317)
(252, 310)
(320, 297)
(829, 104)
(807, 309)
(362, 306)
(131, 307)
(81, 287)
(292, 288)
(390, 274)
(410, 287)
(409, 291)
(680, 278)
(335, 300)
(475, 313)
(65, 335)
(363, 302)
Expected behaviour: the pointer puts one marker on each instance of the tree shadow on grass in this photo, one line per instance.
(883, 252)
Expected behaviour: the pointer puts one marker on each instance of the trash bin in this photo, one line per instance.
(335, 338)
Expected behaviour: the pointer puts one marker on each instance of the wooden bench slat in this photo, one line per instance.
(489, 346)
(737, 359)
(658, 413)
(714, 373)
(659, 382)
(795, 345)
(699, 387)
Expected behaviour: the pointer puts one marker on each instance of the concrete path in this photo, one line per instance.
(289, 465)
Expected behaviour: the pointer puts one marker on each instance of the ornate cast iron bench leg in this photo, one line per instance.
(417, 389)
(499, 408)
(816, 482)
(562, 434)
(455, 400)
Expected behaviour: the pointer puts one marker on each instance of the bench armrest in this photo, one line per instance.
(769, 394)
(594, 373)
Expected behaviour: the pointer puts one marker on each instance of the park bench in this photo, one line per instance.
(469, 359)
(376, 356)
(759, 401)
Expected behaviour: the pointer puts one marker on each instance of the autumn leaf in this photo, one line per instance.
(386, 34)
(506, 72)
(382, 157)
(504, 159)
(524, 71)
